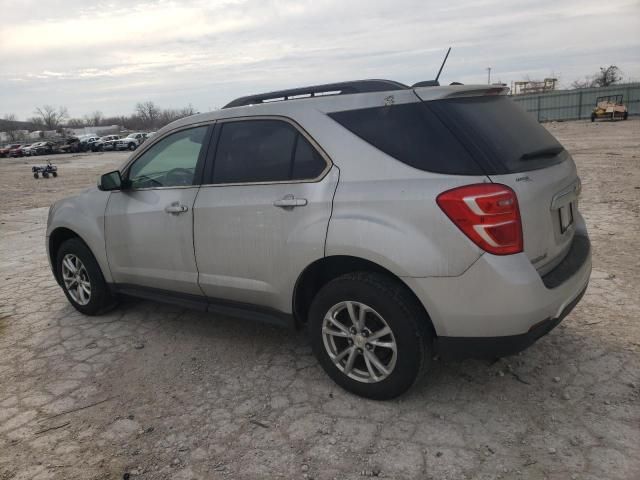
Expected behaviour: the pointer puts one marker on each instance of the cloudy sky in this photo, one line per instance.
(94, 55)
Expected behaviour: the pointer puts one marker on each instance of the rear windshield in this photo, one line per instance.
(499, 134)
(464, 136)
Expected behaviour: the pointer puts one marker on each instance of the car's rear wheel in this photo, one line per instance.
(369, 334)
(81, 278)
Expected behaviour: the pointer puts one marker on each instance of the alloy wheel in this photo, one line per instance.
(359, 342)
(76, 279)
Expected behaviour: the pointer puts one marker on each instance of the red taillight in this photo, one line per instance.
(488, 214)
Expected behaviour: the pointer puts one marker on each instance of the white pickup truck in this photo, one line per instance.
(131, 141)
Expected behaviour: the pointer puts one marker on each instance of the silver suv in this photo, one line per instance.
(396, 222)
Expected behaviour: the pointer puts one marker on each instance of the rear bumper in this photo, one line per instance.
(501, 305)
(494, 347)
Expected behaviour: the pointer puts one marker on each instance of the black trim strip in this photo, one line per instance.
(202, 303)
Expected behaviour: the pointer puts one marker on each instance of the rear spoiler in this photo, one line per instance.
(456, 91)
(480, 92)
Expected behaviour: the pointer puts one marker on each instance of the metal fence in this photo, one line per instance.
(577, 104)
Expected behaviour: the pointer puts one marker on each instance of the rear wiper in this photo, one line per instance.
(543, 152)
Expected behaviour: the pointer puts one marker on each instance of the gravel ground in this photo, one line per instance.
(155, 392)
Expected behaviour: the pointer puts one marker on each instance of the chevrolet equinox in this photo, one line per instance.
(397, 222)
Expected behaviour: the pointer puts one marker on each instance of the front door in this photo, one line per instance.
(149, 225)
(264, 216)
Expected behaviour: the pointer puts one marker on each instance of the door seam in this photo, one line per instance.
(333, 197)
(193, 239)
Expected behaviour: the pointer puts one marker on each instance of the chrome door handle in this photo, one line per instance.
(289, 201)
(175, 208)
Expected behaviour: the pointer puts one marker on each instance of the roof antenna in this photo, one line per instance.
(442, 66)
(433, 83)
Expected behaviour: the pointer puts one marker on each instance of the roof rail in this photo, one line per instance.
(343, 88)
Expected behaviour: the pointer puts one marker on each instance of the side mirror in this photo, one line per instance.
(110, 181)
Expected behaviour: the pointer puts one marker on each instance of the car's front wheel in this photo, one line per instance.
(369, 334)
(81, 278)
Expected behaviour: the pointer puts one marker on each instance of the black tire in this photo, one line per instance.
(55, 174)
(625, 115)
(593, 117)
(35, 175)
(132, 146)
(399, 309)
(101, 299)
(45, 174)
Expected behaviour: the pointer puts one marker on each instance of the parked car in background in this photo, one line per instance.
(45, 148)
(31, 150)
(18, 151)
(86, 142)
(6, 151)
(105, 143)
(69, 145)
(398, 222)
(131, 141)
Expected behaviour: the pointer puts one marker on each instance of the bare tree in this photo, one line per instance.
(607, 76)
(94, 119)
(169, 115)
(36, 121)
(586, 82)
(188, 111)
(148, 112)
(51, 117)
(11, 127)
(75, 123)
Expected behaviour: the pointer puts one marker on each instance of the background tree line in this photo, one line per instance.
(146, 116)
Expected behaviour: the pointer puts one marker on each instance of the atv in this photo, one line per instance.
(45, 170)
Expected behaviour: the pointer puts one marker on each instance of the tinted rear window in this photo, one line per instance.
(411, 134)
(502, 137)
(254, 151)
(264, 151)
(462, 136)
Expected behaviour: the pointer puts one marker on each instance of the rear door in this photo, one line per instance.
(264, 215)
(515, 150)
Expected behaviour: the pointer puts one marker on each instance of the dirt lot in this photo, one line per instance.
(155, 392)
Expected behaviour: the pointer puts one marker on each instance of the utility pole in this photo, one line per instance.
(489, 75)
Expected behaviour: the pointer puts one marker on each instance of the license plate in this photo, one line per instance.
(566, 216)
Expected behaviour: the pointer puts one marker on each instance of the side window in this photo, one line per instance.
(171, 162)
(264, 151)
(254, 151)
(307, 162)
